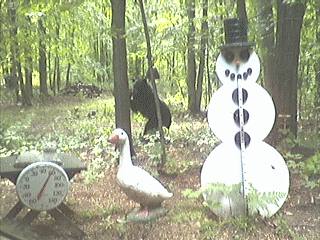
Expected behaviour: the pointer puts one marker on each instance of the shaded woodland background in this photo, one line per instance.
(48, 46)
(66, 71)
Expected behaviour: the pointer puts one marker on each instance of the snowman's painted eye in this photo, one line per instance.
(228, 56)
(244, 55)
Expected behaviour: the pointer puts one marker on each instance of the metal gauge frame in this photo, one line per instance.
(42, 186)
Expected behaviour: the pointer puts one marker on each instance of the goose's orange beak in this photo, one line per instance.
(114, 139)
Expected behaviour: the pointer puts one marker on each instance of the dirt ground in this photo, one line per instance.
(100, 208)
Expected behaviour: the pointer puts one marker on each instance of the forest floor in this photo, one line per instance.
(100, 207)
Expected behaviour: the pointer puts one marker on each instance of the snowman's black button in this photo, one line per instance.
(246, 139)
(236, 116)
(227, 72)
(235, 97)
(232, 76)
(249, 71)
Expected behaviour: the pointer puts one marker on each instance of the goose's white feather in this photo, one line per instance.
(137, 183)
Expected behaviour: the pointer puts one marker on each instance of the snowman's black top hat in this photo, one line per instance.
(235, 33)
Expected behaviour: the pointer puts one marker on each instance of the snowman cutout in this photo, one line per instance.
(242, 175)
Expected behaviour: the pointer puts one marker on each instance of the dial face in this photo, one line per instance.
(42, 186)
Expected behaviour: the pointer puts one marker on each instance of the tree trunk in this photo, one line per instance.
(96, 57)
(287, 49)
(28, 57)
(173, 66)
(16, 71)
(54, 89)
(12, 80)
(209, 84)
(42, 58)
(26, 100)
(58, 74)
(120, 68)
(203, 47)
(49, 68)
(317, 71)
(28, 76)
(137, 67)
(68, 75)
(153, 84)
(241, 11)
(103, 59)
(2, 42)
(108, 73)
(191, 60)
(266, 28)
(56, 81)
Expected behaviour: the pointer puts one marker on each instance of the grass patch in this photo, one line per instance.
(100, 212)
(76, 125)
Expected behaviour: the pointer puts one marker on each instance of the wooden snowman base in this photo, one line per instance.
(137, 215)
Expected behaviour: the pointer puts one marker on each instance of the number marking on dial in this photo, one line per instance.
(42, 186)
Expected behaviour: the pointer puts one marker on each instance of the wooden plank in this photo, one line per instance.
(70, 164)
(15, 210)
(7, 170)
(12, 231)
(62, 219)
(29, 217)
(65, 210)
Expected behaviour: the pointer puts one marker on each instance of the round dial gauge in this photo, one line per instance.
(42, 186)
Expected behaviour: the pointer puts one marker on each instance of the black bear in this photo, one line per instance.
(143, 101)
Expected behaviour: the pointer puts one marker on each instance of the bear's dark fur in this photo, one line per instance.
(142, 101)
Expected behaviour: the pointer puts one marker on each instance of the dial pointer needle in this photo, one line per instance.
(44, 186)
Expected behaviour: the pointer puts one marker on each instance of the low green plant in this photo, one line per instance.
(288, 140)
(7, 96)
(311, 171)
(95, 170)
(194, 133)
(257, 201)
(100, 212)
(117, 225)
(210, 229)
(152, 147)
(283, 230)
(178, 166)
(190, 215)
(79, 127)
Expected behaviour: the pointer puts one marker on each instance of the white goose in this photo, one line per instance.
(136, 183)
